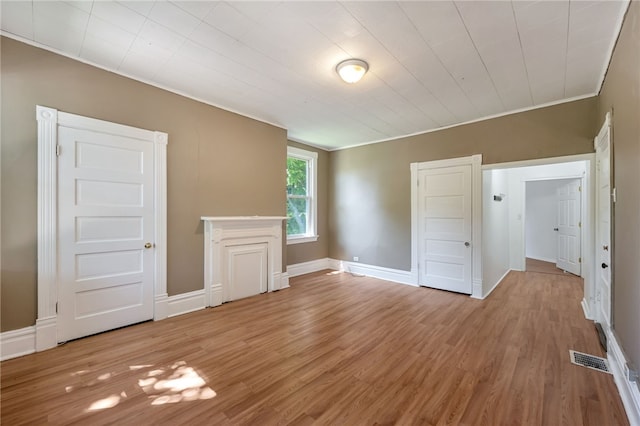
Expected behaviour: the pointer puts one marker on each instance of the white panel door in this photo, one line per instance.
(569, 222)
(247, 270)
(105, 190)
(444, 215)
(603, 229)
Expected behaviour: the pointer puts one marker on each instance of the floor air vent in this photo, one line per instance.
(590, 361)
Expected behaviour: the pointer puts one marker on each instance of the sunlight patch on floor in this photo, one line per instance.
(175, 384)
(166, 385)
(108, 402)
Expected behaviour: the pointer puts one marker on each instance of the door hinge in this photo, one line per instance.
(579, 224)
(580, 188)
(579, 260)
(58, 150)
(56, 307)
(613, 195)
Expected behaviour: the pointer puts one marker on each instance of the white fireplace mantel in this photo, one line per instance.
(242, 256)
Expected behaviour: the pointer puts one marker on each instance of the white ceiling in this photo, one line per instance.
(432, 64)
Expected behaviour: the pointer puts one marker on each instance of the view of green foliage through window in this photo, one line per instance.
(297, 196)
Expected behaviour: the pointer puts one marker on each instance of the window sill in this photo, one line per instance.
(300, 240)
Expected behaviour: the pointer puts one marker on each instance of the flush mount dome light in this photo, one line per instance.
(352, 70)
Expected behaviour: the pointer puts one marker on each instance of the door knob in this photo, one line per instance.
(148, 245)
(604, 265)
(555, 229)
(605, 248)
(467, 243)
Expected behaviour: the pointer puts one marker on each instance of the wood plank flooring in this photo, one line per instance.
(333, 349)
(535, 265)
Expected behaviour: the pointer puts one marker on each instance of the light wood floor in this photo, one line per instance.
(535, 265)
(332, 350)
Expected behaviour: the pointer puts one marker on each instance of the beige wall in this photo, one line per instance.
(369, 190)
(298, 253)
(621, 94)
(218, 163)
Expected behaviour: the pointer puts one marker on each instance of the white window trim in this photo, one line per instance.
(312, 179)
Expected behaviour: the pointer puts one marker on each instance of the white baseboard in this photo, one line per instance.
(215, 294)
(628, 390)
(284, 280)
(382, 273)
(586, 309)
(485, 295)
(186, 302)
(308, 267)
(336, 265)
(543, 259)
(476, 291)
(46, 333)
(16, 343)
(161, 307)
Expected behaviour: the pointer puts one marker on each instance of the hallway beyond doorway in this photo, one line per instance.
(535, 265)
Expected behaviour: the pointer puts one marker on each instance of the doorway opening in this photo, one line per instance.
(522, 199)
(552, 222)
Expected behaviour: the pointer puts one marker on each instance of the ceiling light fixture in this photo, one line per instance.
(352, 70)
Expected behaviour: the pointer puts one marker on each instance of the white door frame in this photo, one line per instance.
(476, 216)
(583, 206)
(605, 129)
(48, 120)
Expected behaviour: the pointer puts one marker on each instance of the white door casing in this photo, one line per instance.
(105, 231)
(569, 216)
(603, 246)
(446, 224)
(50, 328)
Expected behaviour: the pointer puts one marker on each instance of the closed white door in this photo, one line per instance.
(569, 226)
(603, 228)
(444, 215)
(105, 228)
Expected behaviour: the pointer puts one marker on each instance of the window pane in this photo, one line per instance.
(296, 216)
(296, 176)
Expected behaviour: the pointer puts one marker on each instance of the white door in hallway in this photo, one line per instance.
(444, 215)
(106, 231)
(569, 226)
(603, 226)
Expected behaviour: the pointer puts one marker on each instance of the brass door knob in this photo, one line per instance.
(148, 245)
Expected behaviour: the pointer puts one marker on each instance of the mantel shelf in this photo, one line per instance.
(241, 218)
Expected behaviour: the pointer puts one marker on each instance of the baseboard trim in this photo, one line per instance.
(284, 280)
(161, 307)
(336, 265)
(46, 333)
(308, 267)
(586, 310)
(476, 292)
(485, 295)
(17, 343)
(380, 272)
(628, 390)
(548, 260)
(186, 302)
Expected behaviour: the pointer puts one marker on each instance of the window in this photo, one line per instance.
(301, 195)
